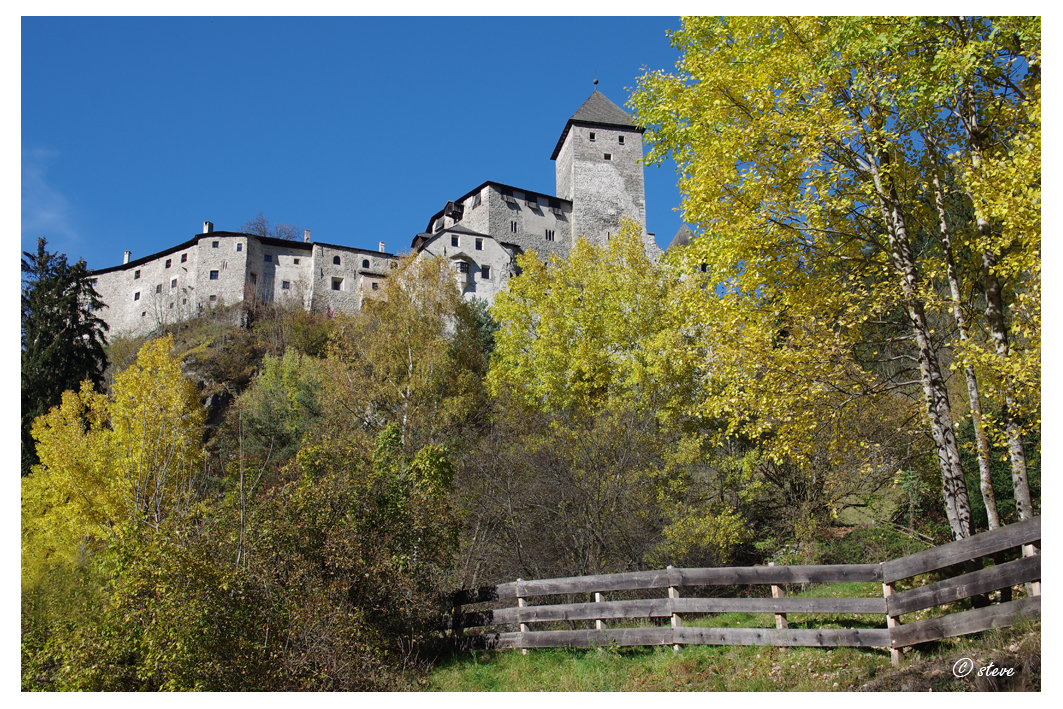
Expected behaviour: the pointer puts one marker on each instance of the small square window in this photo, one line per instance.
(286, 285)
(171, 306)
(143, 313)
(592, 136)
(336, 260)
(239, 247)
(479, 244)
(158, 288)
(213, 298)
(621, 139)
(337, 284)
(213, 275)
(485, 272)
(268, 258)
(136, 296)
(173, 283)
(184, 258)
(295, 261)
(215, 244)
(136, 274)
(365, 263)
(453, 241)
(463, 267)
(184, 301)
(168, 263)
(608, 156)
(376, 286)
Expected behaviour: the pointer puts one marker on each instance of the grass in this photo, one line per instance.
(730, 668)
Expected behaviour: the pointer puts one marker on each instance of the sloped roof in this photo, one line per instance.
(597, 110)
(682, 237)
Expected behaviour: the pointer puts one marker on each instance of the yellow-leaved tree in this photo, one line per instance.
(129, 458)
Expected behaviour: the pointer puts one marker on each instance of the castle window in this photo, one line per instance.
(376, 286)
(479, 244)
(592, 136)
(213, 298)
(621, 140)
(485, 272)
(173, 283)
(295, 261)
(463, 267)
(184, 301)
(254, 279)
(337, 284)
(215, 244)
(439, 225)
(549, 234)
(608, 156)
(171, 306)
(268, 258)
(365, 263)
(136, 274)
(213, 275)
(239, 247)
(286, 285)
(143, 313)
(704, 268)
(184, 257)
(136, 296)
(336, 260)
(453, 241)
(513, 227)
(168, 262)
(475, 201)
(158, 288)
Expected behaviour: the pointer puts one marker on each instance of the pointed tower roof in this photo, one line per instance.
(596, 111)
(682, 237)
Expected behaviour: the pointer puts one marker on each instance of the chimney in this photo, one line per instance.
(208, 227)
(306, 236)
(381, 249)
(125, 257)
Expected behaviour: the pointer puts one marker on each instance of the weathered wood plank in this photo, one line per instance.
(589, 584)
(789, 637)
(973, 621)
(624, 637)
(977, 582)
(736, 575)
(780, 605)
(983, 544)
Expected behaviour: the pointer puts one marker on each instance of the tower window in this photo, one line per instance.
(365, 263)
(215, 244)
(479, 244)
(136, 274)
(173, 283)
(239, 247)
(213, 298)
(286, 285)
(513, 227)
(337, 284)
(485, 272)
(268, 258)
(158, 288)
(608, 156)
(184, 257)
(549, 234)
(213, 275)
(136, 296)
(453, 241)
(621, 139)
(592, 136)
(336, 260)
(168, 262)
(295, 261)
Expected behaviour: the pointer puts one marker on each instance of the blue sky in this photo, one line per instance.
(135, 131)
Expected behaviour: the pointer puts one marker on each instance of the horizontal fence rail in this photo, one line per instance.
(472, 628)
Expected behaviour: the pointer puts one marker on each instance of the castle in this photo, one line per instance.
(599, 182)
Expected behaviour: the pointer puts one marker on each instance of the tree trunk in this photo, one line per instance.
(981, 441)
(954, 487)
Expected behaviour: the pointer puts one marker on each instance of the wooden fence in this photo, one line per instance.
(507, 604)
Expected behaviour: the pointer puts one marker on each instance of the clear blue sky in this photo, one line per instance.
(135, 131)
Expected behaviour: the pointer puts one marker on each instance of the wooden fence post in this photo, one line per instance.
(673, 592)
(779, 592)
(521, 603)
(599, 624)
(891, 623)
(1033, 588)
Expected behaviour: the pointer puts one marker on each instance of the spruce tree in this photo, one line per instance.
(62, 338)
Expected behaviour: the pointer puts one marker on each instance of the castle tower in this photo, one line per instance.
(598, 166)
